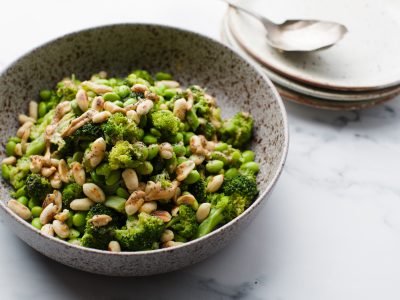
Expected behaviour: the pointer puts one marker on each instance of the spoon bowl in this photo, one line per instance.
(298, 35)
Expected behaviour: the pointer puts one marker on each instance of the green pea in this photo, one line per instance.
(214, 166)
(130, 101)
(235, 157)
(155, 132)
(123, 193)
(221, 146)
(79, 219)
(32, 203)
(45, 95)
(123, 91)
(153, 151)
(251, 166)
(36, 223)
(179, 149)
(42, 109)
(36, 211)
(163, 76)
(145, 168)
(111, 96)
(247, 156)
(181, 159)
(149, 139)
(220, 156)
(186, 137)
(232, 172)
(114, 177)
(23, 200)
(73, 233)
(36, 147)
(193, 177)
(5, 171)
(69, 220)
(10, 147)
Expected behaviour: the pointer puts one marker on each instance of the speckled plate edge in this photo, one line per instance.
(261, 197)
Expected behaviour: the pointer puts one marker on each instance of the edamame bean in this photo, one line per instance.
(155, 132)
(219, 156)
(36, 147)
(235, 157)
(251, 166)
(79, 219)
(214, 166)
(104, 169)
(32, 203)
(10, 147)
(187, 136)
(247, 156)
(15, 139)
(145, 168)
(232, 172)
(78, 156)
(163, 76)
(114, 177)
(5, 171)
(188, 151)
(130, 101)
(123, 91)
(45, 95)
(96, 178)
(221, 146)
(73, 233)
(119, 103)
(149, 139)
(181, 159)
(153, 151)
(23, 200)
(169, 93)
(36, 223)
(179, 149)
(36, 211)
(123, 193)
(20, 192)
(111, 96)
(193, 177)
(42, 109)
(177, 138)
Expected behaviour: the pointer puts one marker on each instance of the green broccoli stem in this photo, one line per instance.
(215, 218)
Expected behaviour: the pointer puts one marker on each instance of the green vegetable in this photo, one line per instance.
(214, 166)
(185, 223)
(37, 186)
(126, 155)
(36, 211)
(165, 122)
(198, 190)
(237, 130)
(36, 223)
(115, 202)
(71, 192)
(79, 219)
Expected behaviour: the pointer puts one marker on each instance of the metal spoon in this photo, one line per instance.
(298, 35)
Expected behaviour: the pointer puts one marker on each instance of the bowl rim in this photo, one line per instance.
(255, 203)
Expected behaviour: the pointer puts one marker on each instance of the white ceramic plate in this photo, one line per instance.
(366, 59)
(228, 37)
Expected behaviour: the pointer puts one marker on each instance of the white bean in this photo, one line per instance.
(144, 107)
(61, 229)
(21, 210)
(83, 204)
(130, 179)
(203, 211)
(94, 192)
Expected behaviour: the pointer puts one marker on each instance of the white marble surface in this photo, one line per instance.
(331, 229)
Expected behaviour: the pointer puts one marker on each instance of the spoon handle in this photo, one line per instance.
(266, 22)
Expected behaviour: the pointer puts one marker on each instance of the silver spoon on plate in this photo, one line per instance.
(298, 35)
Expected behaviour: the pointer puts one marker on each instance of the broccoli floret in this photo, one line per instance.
(163, 178)
(198, 189)
(166, 122)
(67, 89)
(237, 130)
(185, 224)
(19, 172)
(99, 237)
(37, 186)
(70, 192)
(126, 155)
(141, 233)
(207, 129)
(241, 185)
(118, 127)
(88, 133)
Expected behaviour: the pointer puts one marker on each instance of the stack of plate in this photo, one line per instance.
(362, 70)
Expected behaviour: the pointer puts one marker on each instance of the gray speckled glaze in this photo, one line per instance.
(193, 59)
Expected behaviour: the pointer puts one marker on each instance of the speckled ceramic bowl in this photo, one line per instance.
(193, 59)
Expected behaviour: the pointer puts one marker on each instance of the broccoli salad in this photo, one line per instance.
(129, 164)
